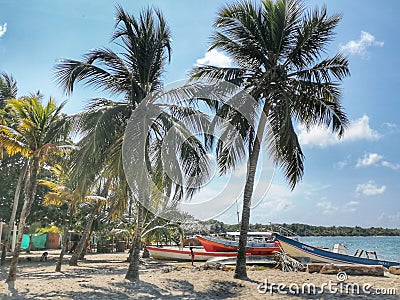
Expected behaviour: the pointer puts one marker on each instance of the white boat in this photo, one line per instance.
(174, 253)
(250, 260)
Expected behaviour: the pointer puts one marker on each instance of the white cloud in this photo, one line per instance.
(370, 189)
(391, 165)
(343, 163)
(215, 58)
(390, 219)
(390, 125)
(351, 206)
(360, 47)
(322, 136)
(275, 206)
(3, 29)
(375, 159)
(327, 207)
(370, 159)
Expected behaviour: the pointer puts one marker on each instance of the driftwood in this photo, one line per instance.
(394, 270)
(288, 264)
(353, 269)
(213, 266)
(315, 268)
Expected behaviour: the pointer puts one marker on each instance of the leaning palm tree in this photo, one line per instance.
(35, 131)
(133, 74)
(277, 49)
(9, 90)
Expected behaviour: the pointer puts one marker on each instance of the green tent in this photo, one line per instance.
(38, 241)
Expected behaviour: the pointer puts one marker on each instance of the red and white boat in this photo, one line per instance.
(259, 243)
(173, 253)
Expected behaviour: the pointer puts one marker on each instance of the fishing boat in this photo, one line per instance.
(258, 243)
(174, 253)
(337, 255)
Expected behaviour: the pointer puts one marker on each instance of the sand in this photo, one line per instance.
(101, 276)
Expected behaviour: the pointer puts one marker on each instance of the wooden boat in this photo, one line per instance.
(305, 252)
(258, 243)
(174, 253)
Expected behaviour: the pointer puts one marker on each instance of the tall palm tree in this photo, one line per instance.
(277, 49)
(132, 74)
(35, 131)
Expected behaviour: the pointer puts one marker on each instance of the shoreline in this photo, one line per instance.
(101, 276)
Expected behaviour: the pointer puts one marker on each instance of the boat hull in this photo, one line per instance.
(297, 249)
(185, 255)
(211, 244)
(250, 260)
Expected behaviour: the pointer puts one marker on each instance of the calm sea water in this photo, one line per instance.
(386, 247)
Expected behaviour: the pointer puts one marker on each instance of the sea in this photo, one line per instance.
(386, 247)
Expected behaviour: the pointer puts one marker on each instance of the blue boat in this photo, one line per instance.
(305, 252)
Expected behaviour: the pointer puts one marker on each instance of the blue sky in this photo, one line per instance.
(354, 181)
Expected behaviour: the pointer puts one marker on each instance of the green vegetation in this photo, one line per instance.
(308, 230)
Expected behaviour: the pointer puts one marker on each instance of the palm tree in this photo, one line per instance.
(277, 49)
(134, 74)
(62, 191)
(35, 131)
(96, 202)
(14, 208)
(8, 88)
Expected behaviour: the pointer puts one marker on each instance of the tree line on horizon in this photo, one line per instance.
(307, 230)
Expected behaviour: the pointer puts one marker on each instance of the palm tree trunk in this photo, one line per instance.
(88, 227)
(63, 249)
(133, 270)
(240, 270)
(28, 250)
(30, 190)
(82, 242)
(14, 211)
(65, 241)
(87, 243)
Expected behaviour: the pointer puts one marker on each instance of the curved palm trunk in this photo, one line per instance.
(82, 242)
(133, 270)
(240, 270)
(30, 190)
(14, 211)
(88, 227)
(87, 243)
(65, 242)
(63, 249)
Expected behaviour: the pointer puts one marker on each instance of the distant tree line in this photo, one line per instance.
(308, 230)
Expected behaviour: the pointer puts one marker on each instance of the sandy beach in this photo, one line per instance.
(101, 276)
